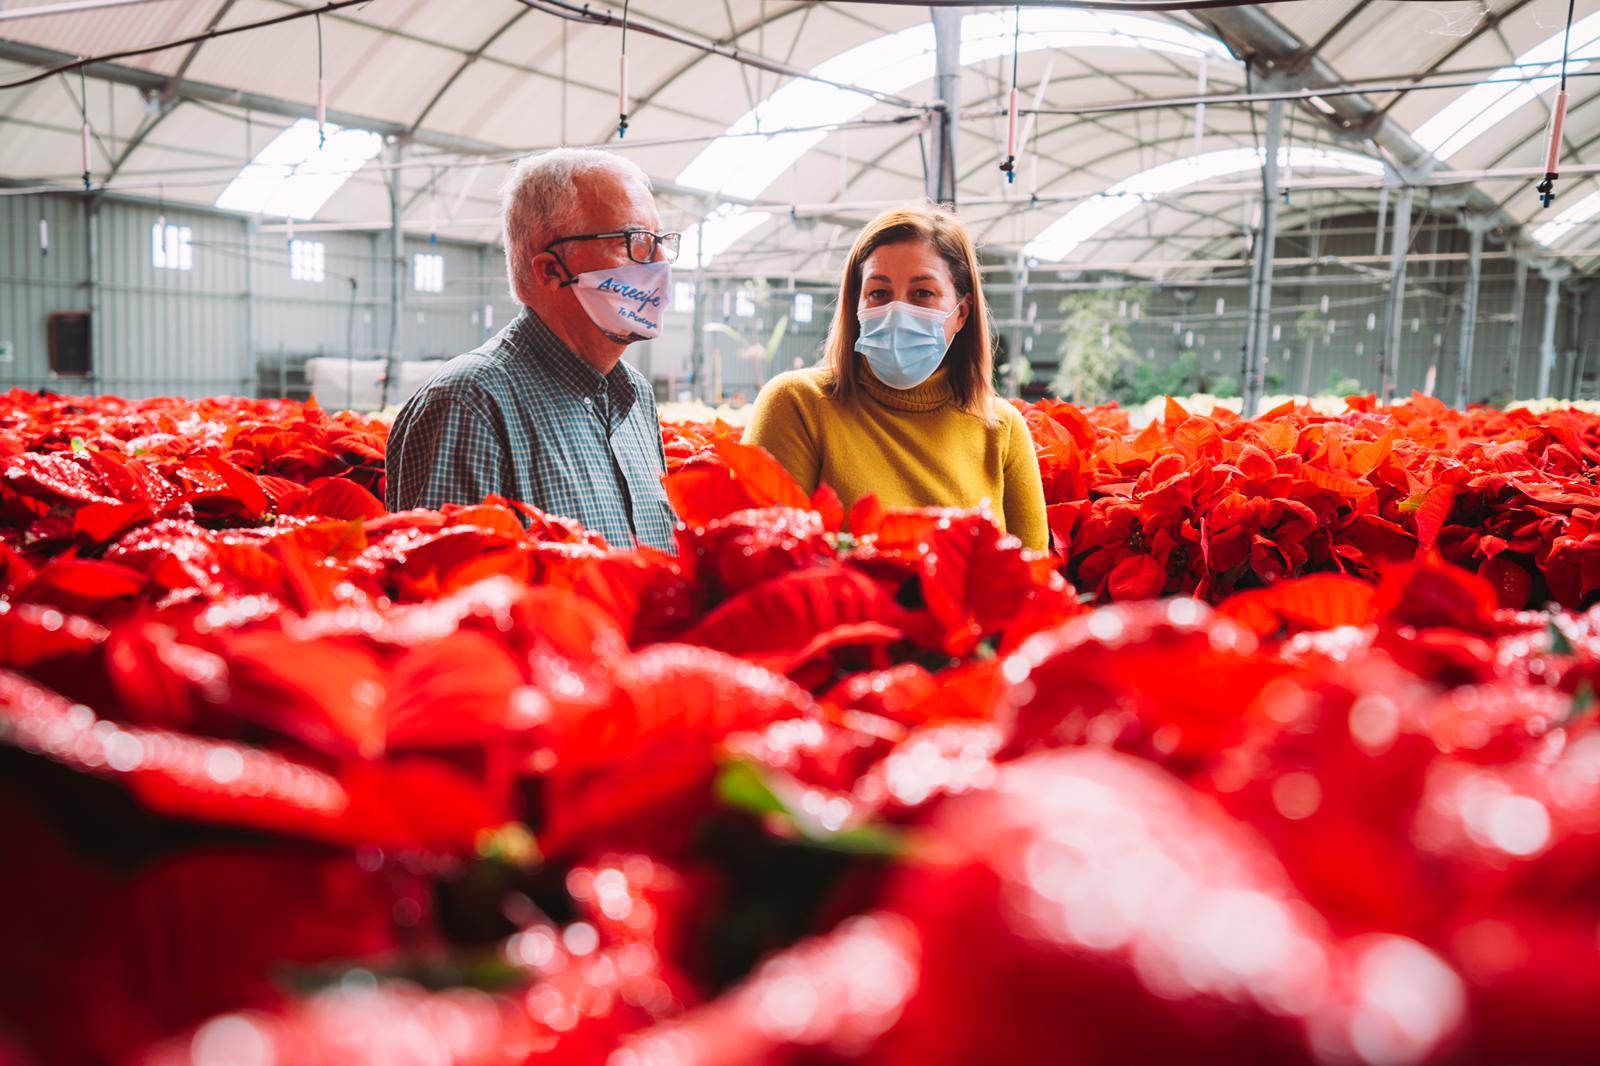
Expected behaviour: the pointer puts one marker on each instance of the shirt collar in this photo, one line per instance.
(532, 337)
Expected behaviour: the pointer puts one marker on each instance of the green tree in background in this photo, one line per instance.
(1094, 343)
(1340, 385)
(1143, 380)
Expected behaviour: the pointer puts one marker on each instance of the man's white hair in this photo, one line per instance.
(539, 202)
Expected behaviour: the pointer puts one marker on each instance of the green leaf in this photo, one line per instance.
(1583, 703)
(1559, 644)
(745, 786)
(512, 844)
(777, 337)
(741, 786)
(78, 446)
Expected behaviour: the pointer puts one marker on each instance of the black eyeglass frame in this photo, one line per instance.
(669, 243)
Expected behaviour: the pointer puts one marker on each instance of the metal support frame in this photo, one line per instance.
(1476, 226)
(1399, 243)
(1511, 363)
(1277, 52)
(97, 328)
(947, 80)
(697, 340)
(1554, 274)
(397, 275)
(1260, 333)
(1576, 288)
(1014, 357)
(253, 383)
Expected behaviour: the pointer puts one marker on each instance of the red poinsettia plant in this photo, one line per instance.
(292, 779)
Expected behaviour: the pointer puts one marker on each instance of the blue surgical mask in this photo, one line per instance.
(903, 343)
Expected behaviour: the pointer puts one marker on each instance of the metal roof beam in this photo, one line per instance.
(152, 83)
(1280, 55)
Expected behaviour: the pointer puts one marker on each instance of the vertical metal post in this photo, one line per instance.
(697, 338)
(1554, 274)
(97, 328)
(1475, 226)
(1260, 330)
(1247, 335)
(1383, 218)
(947, 81)
(1014, 354)
(253, 383)
(397, 275)
(1399, 242)
(1512, 362)
(1575, 370)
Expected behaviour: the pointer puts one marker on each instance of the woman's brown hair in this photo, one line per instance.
(970, 360)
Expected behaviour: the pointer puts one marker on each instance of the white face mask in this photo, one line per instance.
(625, 301)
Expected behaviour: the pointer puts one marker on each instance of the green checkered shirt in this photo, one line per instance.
(526, 418)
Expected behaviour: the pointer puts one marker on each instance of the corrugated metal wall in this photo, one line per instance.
(33, 284)
(238, 316)
(1178, 316)
(170, 332)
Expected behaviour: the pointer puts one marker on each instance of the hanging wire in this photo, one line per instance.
(1558, 119)
(322, 92)
(1010, 165)
(622, 82)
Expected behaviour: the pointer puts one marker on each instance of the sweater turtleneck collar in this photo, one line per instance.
(928, 396)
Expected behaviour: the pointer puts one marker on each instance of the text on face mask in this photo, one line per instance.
(628, 316)
(646, 297)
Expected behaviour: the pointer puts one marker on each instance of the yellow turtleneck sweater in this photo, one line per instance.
(909, 447)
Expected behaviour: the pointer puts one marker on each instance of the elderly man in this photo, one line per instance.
(546, 412)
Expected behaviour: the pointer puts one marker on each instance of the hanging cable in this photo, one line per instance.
(83, 109)
(622, 81)
(1558, 119)
(1010, 165)
(177, 42)
(322, 92)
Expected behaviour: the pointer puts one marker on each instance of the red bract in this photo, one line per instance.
(1129, 676)
(1347, 814)
(637, 767)
(730, 554)
(407, 805)
(1088, 894)
(786, 622)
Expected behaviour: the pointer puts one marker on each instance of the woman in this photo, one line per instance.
(905, 408)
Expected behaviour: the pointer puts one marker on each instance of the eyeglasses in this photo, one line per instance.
(642, 244)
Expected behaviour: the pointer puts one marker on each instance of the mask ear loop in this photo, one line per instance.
(572, 279)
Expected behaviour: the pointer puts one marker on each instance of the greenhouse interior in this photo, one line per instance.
(799, 532)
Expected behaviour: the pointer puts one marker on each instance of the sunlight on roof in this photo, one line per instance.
(746, 166)
(1568, 220)
(292, 177)
(727, 225)
(1476, 111)
(1066, 233)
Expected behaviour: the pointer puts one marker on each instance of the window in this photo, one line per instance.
(306, 261)
(683, 297)
(427, 272)
(169, 247)
(802, 306)
(293, 176)
(744, 305)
